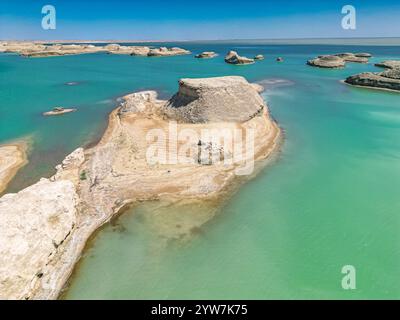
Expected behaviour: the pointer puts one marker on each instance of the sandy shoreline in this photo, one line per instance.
(13, 156)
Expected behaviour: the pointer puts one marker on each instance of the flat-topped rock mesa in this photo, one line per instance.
(388, 79)
(327, 62)
(206, 55)
(145, 51)
(33, 224)
(230, 99)
(29, 49)
(389, 64)
(232, 57)
(44, 228)
(40, 50)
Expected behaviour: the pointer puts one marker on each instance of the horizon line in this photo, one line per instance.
(195, 40)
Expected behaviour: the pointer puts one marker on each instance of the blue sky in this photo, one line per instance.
(197, 20)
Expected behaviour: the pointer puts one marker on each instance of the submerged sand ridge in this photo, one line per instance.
(171, 151)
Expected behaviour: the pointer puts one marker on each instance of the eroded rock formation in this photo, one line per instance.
(327, 62)
(389, 79)
(44, 228)
(233, 58)
(338, 60)
(30, 49)
(206, 55)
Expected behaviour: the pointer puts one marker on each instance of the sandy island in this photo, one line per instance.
(45, 227)
(13, 157)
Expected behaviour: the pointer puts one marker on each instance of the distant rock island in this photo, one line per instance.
(206, 55)
(44, 228)
(388, 79)
(232, 57)
(389, 64)
(59, 111)
(31, 49)
(338, 60)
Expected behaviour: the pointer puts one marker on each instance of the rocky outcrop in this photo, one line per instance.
(363, 55)
(327, 62)
(389, 80)
(389, 64)
(44, 228)
(33, 223)
(206, 55)
(233, 58)
(350, 57)
(29, 49)
(338, 60)
(165, 52)
(200, 100)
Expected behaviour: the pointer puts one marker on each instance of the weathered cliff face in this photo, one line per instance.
(33, 224)
(165, 52)
(383, 80)
(45, 227)
(230, 99)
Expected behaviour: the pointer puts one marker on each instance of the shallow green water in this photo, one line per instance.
(330, 199)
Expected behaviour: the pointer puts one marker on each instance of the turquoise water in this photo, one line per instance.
(329, 200)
